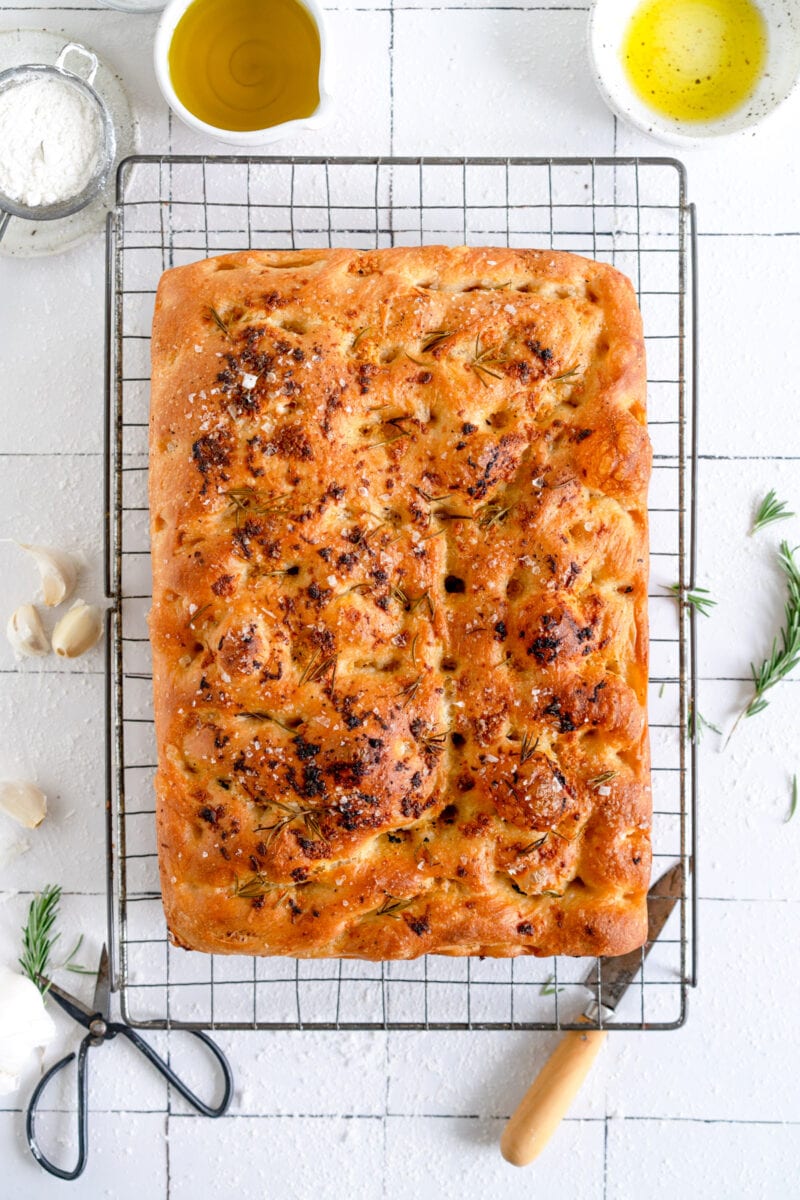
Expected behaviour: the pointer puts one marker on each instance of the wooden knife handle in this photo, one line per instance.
(547, 1100)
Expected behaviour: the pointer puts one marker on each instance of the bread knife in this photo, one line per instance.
(549, 1097)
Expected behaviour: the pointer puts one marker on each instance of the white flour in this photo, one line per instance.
(50, 139)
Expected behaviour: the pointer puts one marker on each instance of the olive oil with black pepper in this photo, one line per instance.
(695, 60)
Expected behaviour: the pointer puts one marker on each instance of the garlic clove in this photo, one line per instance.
(78, 630)
(25, 1025)
(26, 632)
(25, 802)
(58, 571)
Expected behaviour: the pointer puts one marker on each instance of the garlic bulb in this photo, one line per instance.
(78, 630)
(58, 571)
(25, 802)
(26, 632)
(24, 1026)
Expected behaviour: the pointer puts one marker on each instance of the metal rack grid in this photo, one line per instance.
(173, 210)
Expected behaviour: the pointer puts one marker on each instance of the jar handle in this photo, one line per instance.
(77, 48)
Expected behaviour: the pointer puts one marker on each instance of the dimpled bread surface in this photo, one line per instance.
(399, 622)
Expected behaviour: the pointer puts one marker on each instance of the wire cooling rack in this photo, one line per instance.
(173, 210)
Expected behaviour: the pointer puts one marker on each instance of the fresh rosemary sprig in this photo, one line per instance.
(785, 655)
(698, 599)
(770, 509)
(696, 725)
(38, 938)
(792, 801)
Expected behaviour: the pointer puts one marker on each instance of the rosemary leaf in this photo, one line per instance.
(392, 906)
(527, 749)
(434, 338)
(198, 612)
(792, 801)
(696, 725)
(603, 777)
(218, 321)
(293, 812)
(410, 690)
(316, 668)
(549, 987)
(531, 846)
(361, 333)
(698, 599)
(492, 514)
(770, 509)
(485, 360)
(264, 716)
(259, 885)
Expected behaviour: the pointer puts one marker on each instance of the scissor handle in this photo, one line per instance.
(83, 1113)
(166, 1070)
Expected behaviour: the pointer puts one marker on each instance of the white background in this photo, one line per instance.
(709, 1111)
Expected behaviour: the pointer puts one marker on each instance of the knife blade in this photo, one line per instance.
(610, 978)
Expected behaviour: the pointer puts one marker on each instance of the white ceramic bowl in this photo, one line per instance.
(608, 22)
(239, 137)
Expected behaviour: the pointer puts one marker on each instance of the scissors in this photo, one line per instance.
(101, 1030)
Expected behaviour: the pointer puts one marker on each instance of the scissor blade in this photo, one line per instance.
(610, 978)
(76, 1008)
(102, 989)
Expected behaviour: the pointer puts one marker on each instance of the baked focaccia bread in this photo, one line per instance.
(399, 626)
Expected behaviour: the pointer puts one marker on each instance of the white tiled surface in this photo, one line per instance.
(710, 1111)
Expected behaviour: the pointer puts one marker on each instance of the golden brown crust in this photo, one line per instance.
(399, 627)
